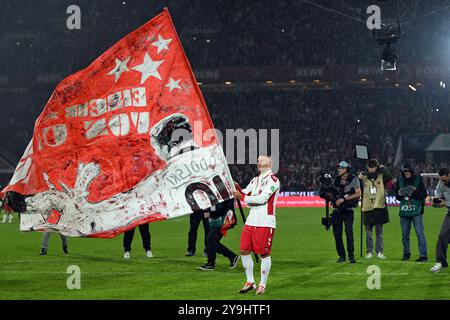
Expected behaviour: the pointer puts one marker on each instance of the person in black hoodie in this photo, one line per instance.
(411, 192)
(221, 219)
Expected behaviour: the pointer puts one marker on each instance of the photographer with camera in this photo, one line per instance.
(411, 192)
(442, 200)
(374, 209)
(345, 198)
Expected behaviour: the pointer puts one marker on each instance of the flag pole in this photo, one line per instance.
(361, 231)
(243, 218)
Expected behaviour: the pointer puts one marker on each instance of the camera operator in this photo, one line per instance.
(411, 192)
(374, 209)
(346, 198)
(441, 200)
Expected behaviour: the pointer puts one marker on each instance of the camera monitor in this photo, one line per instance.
(361, 152)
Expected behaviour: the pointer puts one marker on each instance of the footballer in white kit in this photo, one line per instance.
(257, 234)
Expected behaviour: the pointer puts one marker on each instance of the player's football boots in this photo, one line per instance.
(247, 287)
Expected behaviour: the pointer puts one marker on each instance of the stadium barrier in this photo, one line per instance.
(317, 202)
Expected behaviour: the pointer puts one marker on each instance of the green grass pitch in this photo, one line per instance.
(303, 265)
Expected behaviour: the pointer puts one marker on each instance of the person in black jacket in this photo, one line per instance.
(348, 193)
(144, 229)
(411, 192)
(194, 222)
(221, 219)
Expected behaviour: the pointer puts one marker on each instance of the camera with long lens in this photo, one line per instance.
(406, 192)
(390, 32)
(436, 202)
(328, 192)
(327, 189)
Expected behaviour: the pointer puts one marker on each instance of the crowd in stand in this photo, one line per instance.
(224, 33)
(317, 127)
(295, 33)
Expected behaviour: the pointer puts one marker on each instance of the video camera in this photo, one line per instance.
(328, 192)
(436, 202)
(406, 191)
(388, 33)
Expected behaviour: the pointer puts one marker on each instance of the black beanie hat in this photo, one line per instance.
(407, 167)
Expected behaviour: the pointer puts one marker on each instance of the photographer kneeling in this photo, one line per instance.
(348, 192)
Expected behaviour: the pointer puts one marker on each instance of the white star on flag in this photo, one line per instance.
(161, 43)
(121, 66)
(148, 68)
(173, 84)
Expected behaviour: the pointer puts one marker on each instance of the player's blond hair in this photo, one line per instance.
(266, 160)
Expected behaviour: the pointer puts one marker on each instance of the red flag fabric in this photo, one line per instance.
(125, 141)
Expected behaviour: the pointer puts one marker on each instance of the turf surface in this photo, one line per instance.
(303, 265)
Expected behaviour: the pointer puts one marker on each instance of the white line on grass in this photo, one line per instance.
(381, 262)
(86, 259)
(104, 259)
(279, 274)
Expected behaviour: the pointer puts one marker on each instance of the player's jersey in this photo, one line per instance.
(261, 196)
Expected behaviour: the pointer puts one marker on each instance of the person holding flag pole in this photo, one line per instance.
(257, 234)
(104, 158)
(221, 218)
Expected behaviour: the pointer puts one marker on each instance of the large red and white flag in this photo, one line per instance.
(127, 140)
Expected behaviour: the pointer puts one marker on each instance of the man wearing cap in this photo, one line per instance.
(411, 192)
(374, 209)
(347, 197)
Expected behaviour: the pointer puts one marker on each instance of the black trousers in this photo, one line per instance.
(145, 235)
(339, 219)
(213, 246)
(443, 241)
(195, 219)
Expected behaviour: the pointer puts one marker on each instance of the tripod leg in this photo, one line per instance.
(361, 233)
